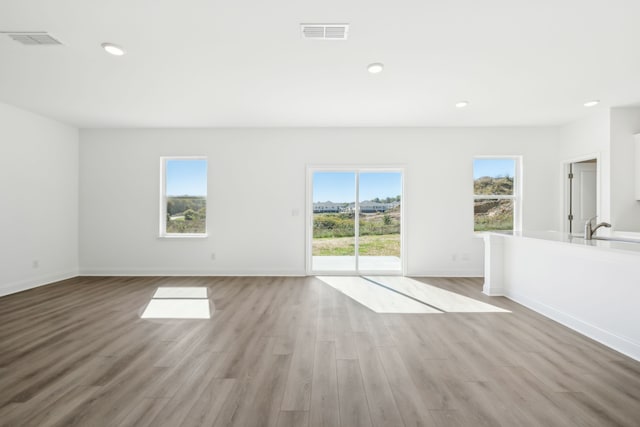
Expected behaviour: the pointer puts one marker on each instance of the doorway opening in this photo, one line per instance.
(355, 223)
(582, 193)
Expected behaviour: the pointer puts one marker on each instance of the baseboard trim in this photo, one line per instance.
(622, 344)
(293, 273)
(35, 282)
(190, 273)
(499, 292)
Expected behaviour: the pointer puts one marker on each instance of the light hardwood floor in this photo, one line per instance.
(296, 352)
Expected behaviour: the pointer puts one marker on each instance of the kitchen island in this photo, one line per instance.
(591, 286)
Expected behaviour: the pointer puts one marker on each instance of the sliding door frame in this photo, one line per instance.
(357, 170)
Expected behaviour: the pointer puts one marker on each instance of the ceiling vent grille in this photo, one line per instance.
(325, 31)
(38, 38)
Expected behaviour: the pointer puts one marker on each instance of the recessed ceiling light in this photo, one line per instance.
(375, 68)
(113, 49)
(462, 104)
(592, 103)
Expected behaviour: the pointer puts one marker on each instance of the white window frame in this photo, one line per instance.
(516, 196)
(163, 200)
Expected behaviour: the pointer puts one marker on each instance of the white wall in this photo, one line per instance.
(625, 209)
(257, 177)
(586, 137)
(39, 200)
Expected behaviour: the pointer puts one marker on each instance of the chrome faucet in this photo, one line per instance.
(589, 230)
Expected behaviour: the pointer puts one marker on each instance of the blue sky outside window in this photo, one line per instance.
(186, 177)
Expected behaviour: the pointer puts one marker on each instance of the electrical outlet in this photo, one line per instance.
(295, 212)
(35, 263)
(213, 256)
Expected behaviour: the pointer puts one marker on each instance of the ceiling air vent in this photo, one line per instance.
(325, 31)
(36, 38)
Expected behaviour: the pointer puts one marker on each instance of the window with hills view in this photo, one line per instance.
(495, 194)
(184, 196)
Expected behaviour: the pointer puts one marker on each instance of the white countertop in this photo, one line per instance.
(557, 236)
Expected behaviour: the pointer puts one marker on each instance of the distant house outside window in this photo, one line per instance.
(496, 194)
(183, 202)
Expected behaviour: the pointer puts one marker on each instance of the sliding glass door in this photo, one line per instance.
(379, 216)
(333, 243)
(356, 221)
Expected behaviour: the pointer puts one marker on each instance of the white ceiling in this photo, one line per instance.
(207, 63)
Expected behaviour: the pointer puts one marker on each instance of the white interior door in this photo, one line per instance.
(583, 195)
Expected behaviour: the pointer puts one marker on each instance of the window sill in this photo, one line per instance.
(183, 236)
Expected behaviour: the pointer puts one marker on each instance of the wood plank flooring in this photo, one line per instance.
(296, 352)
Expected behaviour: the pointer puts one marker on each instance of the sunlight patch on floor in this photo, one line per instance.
(178, 303)
(374, 297)
(185, 292)
(177, 309)
(447, 301)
